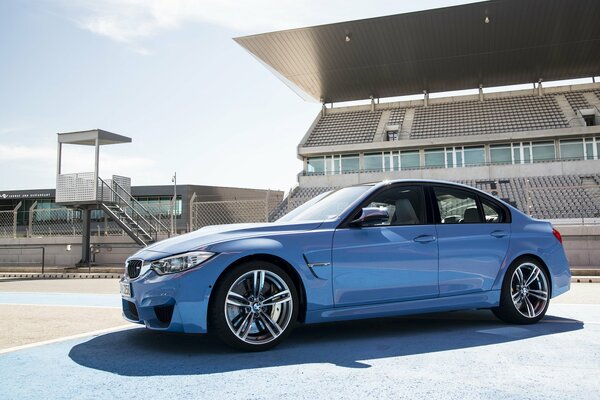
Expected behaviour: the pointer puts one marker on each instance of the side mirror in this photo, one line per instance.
(371, 215)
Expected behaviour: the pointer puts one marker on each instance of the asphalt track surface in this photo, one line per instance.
(462, 355)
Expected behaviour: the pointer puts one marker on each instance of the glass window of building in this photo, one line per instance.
(409, 159)
(542, 151)
(392, 135)
(373, 162)
(454, 157)
(500, 154)
(474, 155)
(315, 165)
(349, 163)
(333, 164)
(590, 149)
(571, 149)
(434, 158)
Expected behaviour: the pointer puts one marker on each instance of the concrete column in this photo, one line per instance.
(86, 214)
(96, 168)
(58, 158)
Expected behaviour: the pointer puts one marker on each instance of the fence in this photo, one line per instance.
(233, 211)
(8, 222)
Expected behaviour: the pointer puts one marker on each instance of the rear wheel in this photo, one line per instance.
(525, 294)
(255, 306)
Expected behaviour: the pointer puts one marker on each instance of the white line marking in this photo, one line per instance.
(56, 305)
(62, 339)
(61, 293)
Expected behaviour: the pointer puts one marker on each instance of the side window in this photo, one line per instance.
(493, 212)
(457, 206)
(405, 205)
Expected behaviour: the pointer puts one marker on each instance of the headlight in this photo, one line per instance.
(180, 262)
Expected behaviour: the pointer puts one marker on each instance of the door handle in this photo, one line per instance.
(424, 239)
(499, 234)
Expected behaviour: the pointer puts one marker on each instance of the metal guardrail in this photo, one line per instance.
(25, 247)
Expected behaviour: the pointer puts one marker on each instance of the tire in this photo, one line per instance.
(251, 316)
(525, 293)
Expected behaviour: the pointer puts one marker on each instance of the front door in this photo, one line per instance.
(390, 261)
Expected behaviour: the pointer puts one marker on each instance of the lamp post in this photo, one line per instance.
(174, 210)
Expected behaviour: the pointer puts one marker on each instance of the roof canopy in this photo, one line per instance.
(436, 50)
(88, 138)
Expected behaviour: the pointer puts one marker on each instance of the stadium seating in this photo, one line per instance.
(512, 114)
(577, 100)
(397, 116)
(345, 128)
(453, 118)
(546, 197)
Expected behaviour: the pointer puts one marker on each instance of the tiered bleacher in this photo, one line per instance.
(455, 118)
(546, 197)
(345, 128)
(524, 113)
(577, 100)
(396, 116)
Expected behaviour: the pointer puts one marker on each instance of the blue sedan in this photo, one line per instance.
(374, 250)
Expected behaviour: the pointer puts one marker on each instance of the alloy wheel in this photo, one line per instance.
(258, 307)
(529, 290)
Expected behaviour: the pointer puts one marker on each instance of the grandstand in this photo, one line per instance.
(537, 148)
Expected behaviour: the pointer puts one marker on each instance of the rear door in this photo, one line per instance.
(473, 236)
(392, 261)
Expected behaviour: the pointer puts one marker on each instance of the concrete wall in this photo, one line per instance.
(113, 250)
(582, 245)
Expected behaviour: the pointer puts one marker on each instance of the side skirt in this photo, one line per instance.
(487, 299)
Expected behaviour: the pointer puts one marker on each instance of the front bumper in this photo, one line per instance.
(174, 302)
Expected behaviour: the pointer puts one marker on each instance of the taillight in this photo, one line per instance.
(557, 235)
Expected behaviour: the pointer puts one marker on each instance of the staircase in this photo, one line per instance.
(139, 223)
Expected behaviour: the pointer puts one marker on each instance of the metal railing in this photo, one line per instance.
(133, 208)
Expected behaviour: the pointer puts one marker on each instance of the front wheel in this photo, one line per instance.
(525, 294)
(255, 306)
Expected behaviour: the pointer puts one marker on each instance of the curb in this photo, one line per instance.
(585, 279)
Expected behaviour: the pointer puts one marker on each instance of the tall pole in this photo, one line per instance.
(173, 220)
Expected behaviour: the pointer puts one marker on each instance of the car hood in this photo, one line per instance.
(216, 234)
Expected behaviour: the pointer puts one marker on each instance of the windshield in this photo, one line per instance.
(290, 216)
(327, 205)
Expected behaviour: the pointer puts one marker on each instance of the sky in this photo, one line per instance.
(165, 73)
